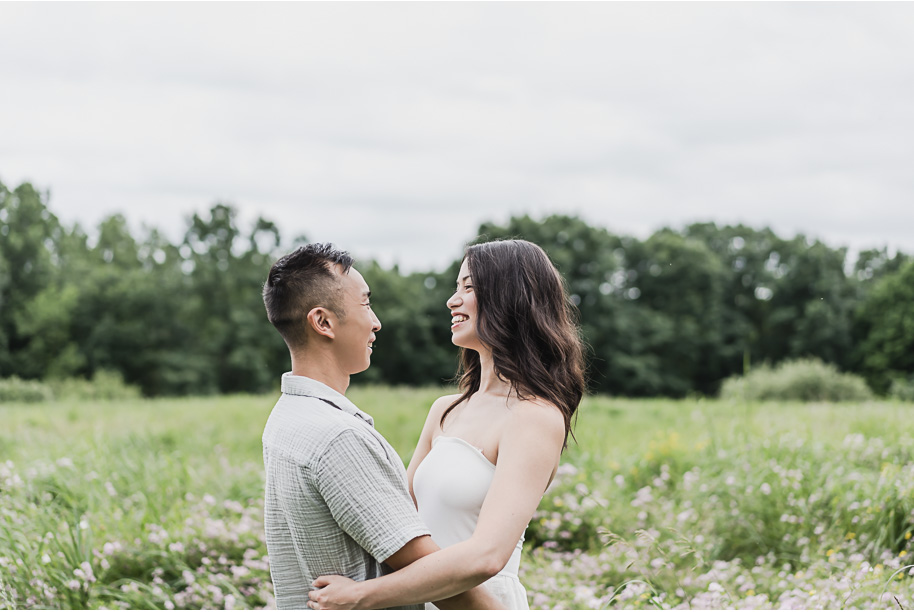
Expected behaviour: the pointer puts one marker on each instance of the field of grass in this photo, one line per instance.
(660, 504)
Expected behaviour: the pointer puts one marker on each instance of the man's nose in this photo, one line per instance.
(377, 322)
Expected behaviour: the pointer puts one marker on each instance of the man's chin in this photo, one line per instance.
(362, 369)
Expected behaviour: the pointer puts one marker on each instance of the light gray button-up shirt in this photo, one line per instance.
(336, 497)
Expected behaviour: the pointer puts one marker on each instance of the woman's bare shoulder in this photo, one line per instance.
(441, 404)
(539, 414)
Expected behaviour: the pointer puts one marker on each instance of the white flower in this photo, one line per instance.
(765, 488)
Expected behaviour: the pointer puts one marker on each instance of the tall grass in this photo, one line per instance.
(158, 504)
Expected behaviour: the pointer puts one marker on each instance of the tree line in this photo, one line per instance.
(674, 314)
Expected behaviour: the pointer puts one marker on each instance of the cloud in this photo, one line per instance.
(395, 129)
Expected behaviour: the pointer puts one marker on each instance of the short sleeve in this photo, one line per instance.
(367, 494)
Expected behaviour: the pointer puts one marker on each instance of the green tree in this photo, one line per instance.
(887, 317)
(413, 346)
(226, 271)
(29, 233)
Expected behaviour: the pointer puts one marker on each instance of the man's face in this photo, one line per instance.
(356, 331)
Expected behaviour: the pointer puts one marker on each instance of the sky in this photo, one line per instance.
(395, 129)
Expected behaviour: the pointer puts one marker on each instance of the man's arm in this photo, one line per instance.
(523, 471)
(367, 496)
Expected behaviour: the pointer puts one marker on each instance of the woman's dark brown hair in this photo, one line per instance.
(525, 318)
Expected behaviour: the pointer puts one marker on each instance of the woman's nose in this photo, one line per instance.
(453, 301)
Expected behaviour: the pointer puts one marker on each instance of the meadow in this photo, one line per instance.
(659, 504)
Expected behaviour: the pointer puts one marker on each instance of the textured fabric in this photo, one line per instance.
(336, 496)
(451, 485)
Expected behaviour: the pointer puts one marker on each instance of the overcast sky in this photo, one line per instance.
(394, 130)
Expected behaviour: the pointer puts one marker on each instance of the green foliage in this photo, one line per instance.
(674, 314)
(805, 380)
(14, 389)
(902, 389)
(157, 503)
(105, 385)
(887, 322)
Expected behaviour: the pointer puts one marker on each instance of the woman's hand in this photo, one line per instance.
(335, 593)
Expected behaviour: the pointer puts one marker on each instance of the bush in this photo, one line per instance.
(806, 380)
(105, 385)
(902, 389)
(15, 389)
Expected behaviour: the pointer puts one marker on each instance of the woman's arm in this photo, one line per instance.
(529, 450)
(429, 430)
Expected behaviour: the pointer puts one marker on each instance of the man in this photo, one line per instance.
(336, 496)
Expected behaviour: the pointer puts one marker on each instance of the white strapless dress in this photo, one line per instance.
(450, 485)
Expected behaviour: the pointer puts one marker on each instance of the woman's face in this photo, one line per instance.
(463, 311)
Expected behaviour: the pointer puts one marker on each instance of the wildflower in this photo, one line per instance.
(45, 558)
(765, 488)
(750, 592)
(830, 552)
(169, 605)
(74, 585)
(907, 536)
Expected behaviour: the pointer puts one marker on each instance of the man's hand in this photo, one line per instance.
(334, 593)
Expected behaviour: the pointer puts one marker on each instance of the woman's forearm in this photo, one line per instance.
(437, 576)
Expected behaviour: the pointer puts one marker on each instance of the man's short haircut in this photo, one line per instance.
(301, 281)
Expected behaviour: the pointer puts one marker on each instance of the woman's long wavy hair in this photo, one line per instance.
(524, 316)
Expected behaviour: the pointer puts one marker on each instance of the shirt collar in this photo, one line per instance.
(308, 387)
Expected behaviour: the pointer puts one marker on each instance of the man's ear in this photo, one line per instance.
(322, 321)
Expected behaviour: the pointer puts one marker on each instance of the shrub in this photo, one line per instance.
(14, 389)
(902, 389)
(806, 380)
(105, 385)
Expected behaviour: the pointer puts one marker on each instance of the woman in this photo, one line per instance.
(486, 456)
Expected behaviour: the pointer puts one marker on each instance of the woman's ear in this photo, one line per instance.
(322, 321)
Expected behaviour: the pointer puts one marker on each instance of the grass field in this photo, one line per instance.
(660, 504)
